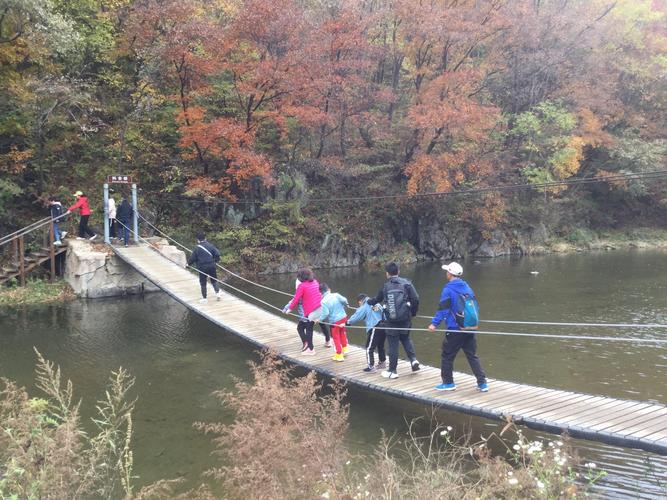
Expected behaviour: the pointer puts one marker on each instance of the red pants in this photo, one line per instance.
(339, 335)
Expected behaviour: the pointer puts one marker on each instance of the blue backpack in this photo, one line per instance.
(467, 312)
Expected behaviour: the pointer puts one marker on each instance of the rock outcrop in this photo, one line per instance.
(94, 271)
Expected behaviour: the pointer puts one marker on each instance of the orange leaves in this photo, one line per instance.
(590, 129)
(15, 161)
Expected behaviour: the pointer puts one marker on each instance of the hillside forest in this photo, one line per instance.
(245, 117)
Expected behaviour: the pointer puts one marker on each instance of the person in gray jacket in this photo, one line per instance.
(204, 257)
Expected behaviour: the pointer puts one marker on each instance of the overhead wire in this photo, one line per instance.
(652, 175)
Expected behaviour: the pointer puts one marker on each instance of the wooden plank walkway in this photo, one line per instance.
(618, 422)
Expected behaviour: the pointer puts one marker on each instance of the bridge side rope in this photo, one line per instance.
(359, 327)
(507, 322)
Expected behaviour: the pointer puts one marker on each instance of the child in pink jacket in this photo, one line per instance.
(308, 293)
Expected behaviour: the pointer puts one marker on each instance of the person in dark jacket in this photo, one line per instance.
(401, 303)
(124, 214)
(56, 212)
(204, 256)
(455, 338)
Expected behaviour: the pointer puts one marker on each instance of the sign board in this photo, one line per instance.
(119, 179)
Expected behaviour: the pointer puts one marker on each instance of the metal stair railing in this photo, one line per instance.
(18, 262)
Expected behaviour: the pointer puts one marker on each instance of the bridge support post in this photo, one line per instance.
(135, 214)
(107, 240)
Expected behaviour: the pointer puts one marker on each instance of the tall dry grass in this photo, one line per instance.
(286, 441)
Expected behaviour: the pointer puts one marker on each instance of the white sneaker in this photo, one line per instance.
(80, 238)
(92, 238)
(388, 374)
(63, 234)
(203, 301)
(57, 243)
(218, 294)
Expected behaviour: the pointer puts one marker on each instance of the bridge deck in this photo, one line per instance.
(618, 422)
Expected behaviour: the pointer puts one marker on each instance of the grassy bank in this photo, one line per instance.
(36, 291)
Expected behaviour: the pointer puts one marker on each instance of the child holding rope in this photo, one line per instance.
(333, 312)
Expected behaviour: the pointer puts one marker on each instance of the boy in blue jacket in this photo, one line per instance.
(455, 339)
(375, 336)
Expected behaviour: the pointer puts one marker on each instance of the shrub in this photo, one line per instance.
(44, 453)
(287, 439)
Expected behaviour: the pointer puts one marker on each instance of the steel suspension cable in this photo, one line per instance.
(483, 332)
(538, 323)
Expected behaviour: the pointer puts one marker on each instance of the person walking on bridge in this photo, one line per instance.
(375, 334)
(456, 297)
(401, 303)
(123, 216)
(84, 208)
(204, 256)
(333, 313)
(308, 294)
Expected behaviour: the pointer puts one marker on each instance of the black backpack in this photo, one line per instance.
(397, 301)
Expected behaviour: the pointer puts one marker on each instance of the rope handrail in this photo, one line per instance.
(508, 322)
(483, 332)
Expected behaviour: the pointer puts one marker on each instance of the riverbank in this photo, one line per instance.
(36, 292)
(583, 240)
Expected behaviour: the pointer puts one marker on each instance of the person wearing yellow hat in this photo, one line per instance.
(84, 209)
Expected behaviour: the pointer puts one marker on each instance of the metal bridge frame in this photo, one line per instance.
(135, 214)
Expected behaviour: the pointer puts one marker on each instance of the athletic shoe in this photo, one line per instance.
(57, 243)
(445, 387)
(415, 366)
(80, 238)
(308, 352)
(483, 387)
(370, 369)
(327, 343)
(218, 294)
(338, 357)
(63, 234)
(304, 347)
(203, 301)
(92, 238)
(381, 365)
(388, 374)
(345, 349)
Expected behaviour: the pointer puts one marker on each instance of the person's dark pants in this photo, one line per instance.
(84, 230)
(112, 228)
(301, 329)
(326, 332)
(307, 335)
(375, 340)
(125, 230)
(396, 335)
(205, 273)
(453, 342)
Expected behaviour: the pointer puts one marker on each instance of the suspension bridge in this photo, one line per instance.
(634, 424)
(619, 422)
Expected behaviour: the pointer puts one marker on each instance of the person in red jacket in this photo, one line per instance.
(84, 208)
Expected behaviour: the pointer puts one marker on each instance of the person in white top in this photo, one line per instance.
(112, 217)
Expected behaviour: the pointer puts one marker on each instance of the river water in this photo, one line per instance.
(179, 359)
